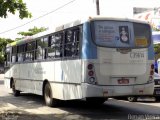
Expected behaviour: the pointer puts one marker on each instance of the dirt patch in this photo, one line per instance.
(17, 115)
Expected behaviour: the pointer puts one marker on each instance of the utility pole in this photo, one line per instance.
(97, 7)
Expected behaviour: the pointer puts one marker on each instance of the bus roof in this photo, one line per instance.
(68, 25)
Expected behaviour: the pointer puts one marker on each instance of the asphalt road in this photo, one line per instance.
(32, 107)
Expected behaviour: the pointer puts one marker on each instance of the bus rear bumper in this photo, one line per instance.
(89, 90)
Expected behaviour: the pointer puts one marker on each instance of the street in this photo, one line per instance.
(32, 107)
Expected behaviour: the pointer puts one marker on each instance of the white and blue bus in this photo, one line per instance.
(91, 59)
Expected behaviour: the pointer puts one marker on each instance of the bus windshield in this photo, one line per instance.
(121, 34)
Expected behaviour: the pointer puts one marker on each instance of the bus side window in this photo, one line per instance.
(7, 57)
(39, 49)
(77, 42)
(58, 45)
(71, 47)
(21, 52)
(8, 60)
(55, 46)
(14, 54)
(68, 43)
(45, 47)
(51, 49)
(30, 51)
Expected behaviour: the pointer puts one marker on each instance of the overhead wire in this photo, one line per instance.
(62, 6)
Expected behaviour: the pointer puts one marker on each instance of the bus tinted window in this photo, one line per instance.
(7, 57)
(14, 54)
(39, 49)
(30, 51)
(71, 46)
(21, 52)
(120, 34)
(30, 46)
(55, 49)
(58, 45)
(45, 40)
(142, 34)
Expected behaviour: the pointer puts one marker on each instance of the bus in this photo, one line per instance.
(90, 59)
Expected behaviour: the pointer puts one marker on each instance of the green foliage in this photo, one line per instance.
(155, 29)
(157, 51)
(3, 43)
(12, 6)
(32, 31)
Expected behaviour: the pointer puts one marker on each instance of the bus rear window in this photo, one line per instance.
(121, 34)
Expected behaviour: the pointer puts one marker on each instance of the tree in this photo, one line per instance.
(157, 51)
(3, 43)
(33, 31)
(12, 6)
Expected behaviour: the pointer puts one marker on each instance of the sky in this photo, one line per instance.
(75, 9)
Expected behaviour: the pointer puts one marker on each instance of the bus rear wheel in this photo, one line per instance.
(132, 99)
(15, 92)
(49, 100)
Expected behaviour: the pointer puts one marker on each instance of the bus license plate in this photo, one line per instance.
(123, 81)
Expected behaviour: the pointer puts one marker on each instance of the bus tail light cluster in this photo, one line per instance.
(151, 73)
(91, 74)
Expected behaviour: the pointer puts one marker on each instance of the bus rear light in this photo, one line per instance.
(91, 76)
(90, 73)
(151, 72)
(90, 66)
(152, 66)
(91, 79)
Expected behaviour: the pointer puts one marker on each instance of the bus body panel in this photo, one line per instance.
(73, 78)
(115, 65)
(112, 64)
(64, 83)
(66, 91)
(90, 90)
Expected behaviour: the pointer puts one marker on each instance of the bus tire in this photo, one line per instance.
(16, 93)
(132, 99)
(49, 100)
(95, 101)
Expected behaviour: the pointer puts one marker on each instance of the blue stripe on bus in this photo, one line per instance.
(89, 49)
(151, 52)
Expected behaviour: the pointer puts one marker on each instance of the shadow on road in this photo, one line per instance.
(112, 109)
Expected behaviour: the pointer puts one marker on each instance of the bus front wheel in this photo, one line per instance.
(15, 92)
(49, 100)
